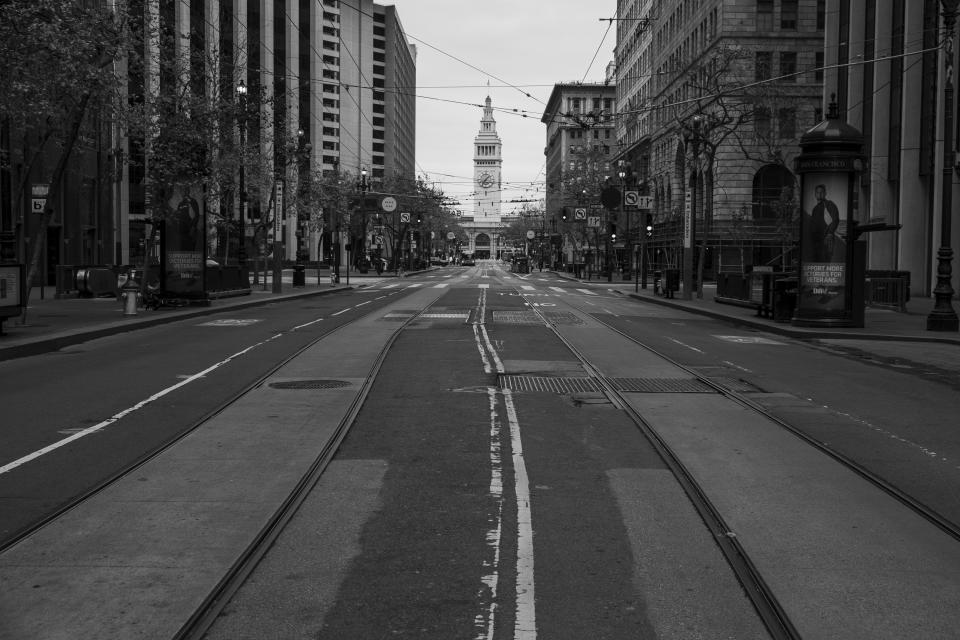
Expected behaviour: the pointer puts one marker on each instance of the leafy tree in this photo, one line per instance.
(58, 71)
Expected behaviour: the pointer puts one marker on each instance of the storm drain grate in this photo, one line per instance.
(563, 317)
(448, 316)
(660, 385)
(310, 384)
(517, 317)
(550, 385)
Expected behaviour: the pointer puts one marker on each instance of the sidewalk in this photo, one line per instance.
(53, 323)
(879, 324)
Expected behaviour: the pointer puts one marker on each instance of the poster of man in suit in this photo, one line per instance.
(823, 250)
(184, 241)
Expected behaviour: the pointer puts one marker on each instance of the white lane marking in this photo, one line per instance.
(118, 416)
(362, 303)
(736, 366)
(525, 622)
(230, 322)
(558, 289)
(414, 285)
(528, 287)
(441, 285)
(391, 285)
(483, 353)
(749, 340)
(587, 291)
(485, 620)
(339, 312)
(491, 349)
(307, 324)
(483, 286)
(685, 345)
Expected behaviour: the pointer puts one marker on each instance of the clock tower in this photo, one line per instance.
(486, 169)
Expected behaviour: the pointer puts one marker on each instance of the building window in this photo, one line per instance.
(787, 119)
(764, 65)
(765, 15)
(761, 123)
(788, 66)
(788, 14)
(818, 71)
(821, 15)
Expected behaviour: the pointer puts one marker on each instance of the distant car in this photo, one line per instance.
(438, 262)
(467, 261)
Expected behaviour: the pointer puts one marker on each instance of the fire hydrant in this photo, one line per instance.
(130, 294)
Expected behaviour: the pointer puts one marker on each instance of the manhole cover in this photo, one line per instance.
(310, 384)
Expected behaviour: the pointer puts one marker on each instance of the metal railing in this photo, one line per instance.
(886, 292)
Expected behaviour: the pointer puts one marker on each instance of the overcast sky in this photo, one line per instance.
(520, 47)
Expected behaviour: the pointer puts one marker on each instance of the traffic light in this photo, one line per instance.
(563, 216)
(649, 225)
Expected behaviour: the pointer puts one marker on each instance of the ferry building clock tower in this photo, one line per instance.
(487, 182)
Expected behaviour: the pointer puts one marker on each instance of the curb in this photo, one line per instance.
(68, 337)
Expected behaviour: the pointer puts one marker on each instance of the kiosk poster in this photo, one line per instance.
(823, 250)
(184, 242)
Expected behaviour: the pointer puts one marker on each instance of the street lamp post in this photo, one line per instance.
(242, 195)
(689, 231)
(622, 174)
(362, 187)
(943, 317)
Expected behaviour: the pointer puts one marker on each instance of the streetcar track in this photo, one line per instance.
(764, 601)
(761, 596)
(220, 596)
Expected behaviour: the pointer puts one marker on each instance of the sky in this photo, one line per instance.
(520, 47)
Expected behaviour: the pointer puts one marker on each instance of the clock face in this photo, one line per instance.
(485, 180)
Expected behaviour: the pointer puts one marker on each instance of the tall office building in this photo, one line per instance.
(327, 85)
(885, 66)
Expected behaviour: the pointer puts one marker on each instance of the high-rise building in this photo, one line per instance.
(885, 69)
(326, 86)
(712, 97)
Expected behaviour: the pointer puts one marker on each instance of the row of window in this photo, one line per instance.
(585, 148)
(576, 134)
(787, 71)
(578, 105)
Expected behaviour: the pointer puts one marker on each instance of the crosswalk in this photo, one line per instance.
(525, 288)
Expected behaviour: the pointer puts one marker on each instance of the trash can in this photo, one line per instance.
(784, 298)
(299, 275)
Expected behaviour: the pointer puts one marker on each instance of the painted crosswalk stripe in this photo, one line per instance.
(441, 285)
(415, 285)
(527, 287)
(558, 289)
(483, 286)
(390, 286)
(587, 291)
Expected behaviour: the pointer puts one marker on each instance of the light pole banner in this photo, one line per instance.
(688, 220)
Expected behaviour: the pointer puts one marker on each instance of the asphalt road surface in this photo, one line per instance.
(484, 490)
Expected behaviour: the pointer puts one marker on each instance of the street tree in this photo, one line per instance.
(59, 62)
